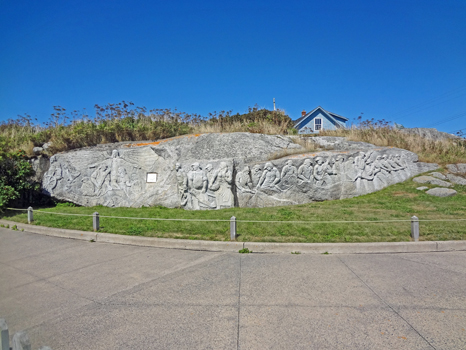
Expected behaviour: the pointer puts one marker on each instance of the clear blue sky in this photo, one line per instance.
(403, 61)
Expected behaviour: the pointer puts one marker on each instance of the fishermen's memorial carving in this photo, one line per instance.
(127, 176)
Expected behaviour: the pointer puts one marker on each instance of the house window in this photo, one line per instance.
(318, 124)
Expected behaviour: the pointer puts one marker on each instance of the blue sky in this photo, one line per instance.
(402, 61)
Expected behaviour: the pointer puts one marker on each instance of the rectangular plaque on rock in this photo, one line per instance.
(151, 177)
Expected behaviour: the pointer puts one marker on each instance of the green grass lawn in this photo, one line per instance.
(397, 202)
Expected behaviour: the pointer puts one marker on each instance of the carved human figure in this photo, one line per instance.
(182, 181)
(270, 178)
(380, 180)
(289, 175)
(70, 174)
(340, 167)
(385, 166)
(114, 169)
(135, 184)
(320, 173)
(243, 181)
(98, 178)
(197, 187)
(87, 187)
(222, 186)
(54, 174)
(305, 171)
(211, 187)
(123, 180)
(331, 171)
(256, 174)
(360, 167)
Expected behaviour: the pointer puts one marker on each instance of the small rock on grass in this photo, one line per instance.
(457, 179)
(422, 188)
(438, 175)
(457, 168)
(431, 180)
(441, 192)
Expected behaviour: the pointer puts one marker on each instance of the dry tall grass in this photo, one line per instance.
(443, 151)
(257, 127)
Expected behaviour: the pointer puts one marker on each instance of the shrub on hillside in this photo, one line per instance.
(15, 171)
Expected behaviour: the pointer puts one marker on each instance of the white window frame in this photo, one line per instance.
(315, 124)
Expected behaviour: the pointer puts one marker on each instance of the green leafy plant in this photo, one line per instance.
(14, 228)
(296, 252)
(244, 251)
(15, 171)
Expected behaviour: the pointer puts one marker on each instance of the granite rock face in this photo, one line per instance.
(429, 133)
(441, 192)
(214, 171)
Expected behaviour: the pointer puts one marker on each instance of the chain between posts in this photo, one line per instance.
(233, 221)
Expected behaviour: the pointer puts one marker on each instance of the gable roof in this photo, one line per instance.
(330, 115)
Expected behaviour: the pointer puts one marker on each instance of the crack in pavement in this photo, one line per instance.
(386, 303)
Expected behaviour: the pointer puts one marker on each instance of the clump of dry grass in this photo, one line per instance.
(442, 151)
(257, 127)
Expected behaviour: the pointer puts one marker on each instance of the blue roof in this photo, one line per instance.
(330, 115)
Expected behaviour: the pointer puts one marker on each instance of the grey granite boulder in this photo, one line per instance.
(422, 188)
(46, 146)
(457, 179)
(459, 168)
(40, 165)
(431, 180)
(429, 133)
(438, 175)
(338, 143)
(441, 192)
(214, 171)
(37, 150)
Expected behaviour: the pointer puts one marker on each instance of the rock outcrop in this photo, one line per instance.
(214, 171)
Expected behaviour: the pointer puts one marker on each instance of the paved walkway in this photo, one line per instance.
(71, 294)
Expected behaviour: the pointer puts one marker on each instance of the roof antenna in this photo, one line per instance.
(274, 104)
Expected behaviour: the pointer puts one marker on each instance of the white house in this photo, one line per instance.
(319, 119)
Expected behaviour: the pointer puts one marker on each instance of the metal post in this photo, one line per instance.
(4, 335)
(95, 221)
(415, 228)
(232, 228)
(30, 215)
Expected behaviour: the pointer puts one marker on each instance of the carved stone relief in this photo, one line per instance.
(205, 187)
(181, 177)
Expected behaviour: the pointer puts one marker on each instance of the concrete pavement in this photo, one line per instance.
(74, 294)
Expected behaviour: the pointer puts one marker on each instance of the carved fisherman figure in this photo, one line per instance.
(320, 174)
(305, 171)
(289, 175)
(222, 182)
(197, 187)
(182, 182)
(54, 174)
(256, 174)
(270, 178)
(243, 181)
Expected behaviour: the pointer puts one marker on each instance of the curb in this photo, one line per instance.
(256, 247)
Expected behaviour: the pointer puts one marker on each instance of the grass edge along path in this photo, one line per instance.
(396, 203)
